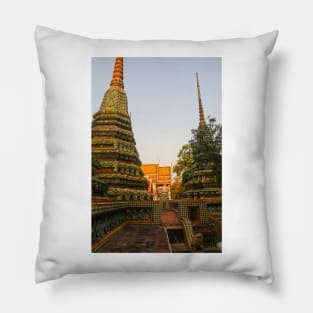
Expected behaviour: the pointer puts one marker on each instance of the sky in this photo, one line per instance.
(162, 99)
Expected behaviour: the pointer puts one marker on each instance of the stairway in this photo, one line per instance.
(175, 231)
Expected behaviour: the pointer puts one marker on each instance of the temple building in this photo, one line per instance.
(117, 174)
(204, 181)
(159, 180)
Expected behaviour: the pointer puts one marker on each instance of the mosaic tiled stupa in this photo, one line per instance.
(114, 146)
(203, 181)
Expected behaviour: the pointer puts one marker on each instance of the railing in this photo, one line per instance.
(188, 230)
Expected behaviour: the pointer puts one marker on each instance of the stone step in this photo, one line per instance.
(179, 248)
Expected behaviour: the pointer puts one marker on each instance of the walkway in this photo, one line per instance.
(137, 238)
(169, 218)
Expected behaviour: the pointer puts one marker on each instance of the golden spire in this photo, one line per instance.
(117, 78)
(201, 114)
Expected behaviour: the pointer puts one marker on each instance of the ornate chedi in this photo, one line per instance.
(203, 181)
(114, 154)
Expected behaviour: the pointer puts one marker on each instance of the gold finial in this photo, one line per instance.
(201, 114)
(117, 78)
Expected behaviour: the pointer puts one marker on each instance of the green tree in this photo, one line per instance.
(184, 163)
(176, 188)
(203, 150)
(206, 143)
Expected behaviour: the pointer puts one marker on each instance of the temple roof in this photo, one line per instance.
(164, 170)
(149, 168)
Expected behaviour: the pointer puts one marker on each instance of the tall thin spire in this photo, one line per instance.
(201, 114)
(117, 77)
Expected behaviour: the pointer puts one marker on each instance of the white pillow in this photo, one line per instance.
(65, 239)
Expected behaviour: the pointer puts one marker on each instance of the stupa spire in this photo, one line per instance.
(201, 113)
(117, 77)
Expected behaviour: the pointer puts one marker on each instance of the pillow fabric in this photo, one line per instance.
(101, 198)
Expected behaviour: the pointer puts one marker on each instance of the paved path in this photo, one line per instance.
(137, 238)
(169, 218)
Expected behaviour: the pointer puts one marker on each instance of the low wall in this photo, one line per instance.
(107, 216)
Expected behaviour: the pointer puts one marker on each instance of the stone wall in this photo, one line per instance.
(108, 216)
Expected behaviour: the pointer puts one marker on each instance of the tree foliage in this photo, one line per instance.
(176, 189)
(206, 143)
(203, 150)
(184, 163)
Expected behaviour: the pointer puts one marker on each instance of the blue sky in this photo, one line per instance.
(162, 99)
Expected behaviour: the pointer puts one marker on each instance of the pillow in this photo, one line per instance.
(154, 155)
